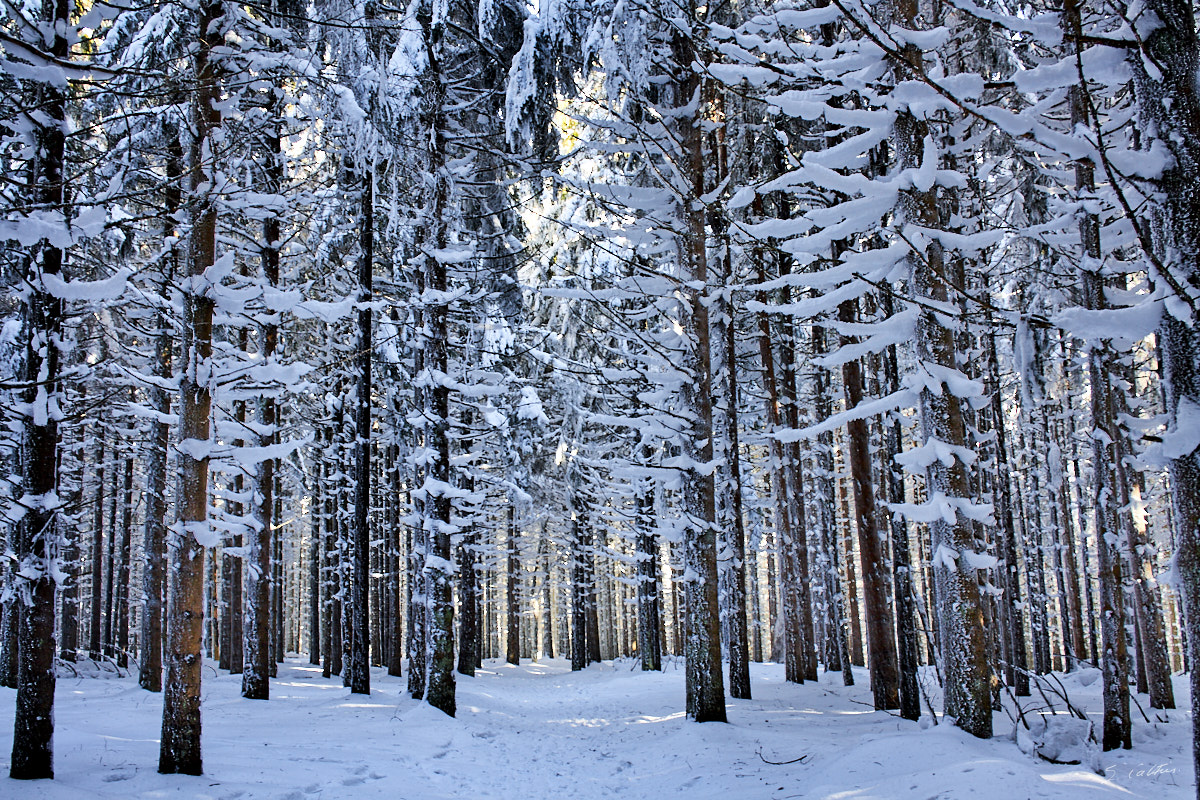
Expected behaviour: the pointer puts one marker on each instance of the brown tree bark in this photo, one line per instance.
(179, 751)
(881, 638)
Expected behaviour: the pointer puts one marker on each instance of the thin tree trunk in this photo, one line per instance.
(1009, 568)
(512, 603)
(360, 628)
(881, 641)
(902, 569)
(95, 641)
(122, 600)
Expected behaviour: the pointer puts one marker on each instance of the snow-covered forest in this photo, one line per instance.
(620, 362)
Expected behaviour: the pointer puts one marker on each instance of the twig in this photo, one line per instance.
(1133, 697)
(758, 753)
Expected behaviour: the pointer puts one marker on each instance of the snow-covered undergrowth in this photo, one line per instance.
(539, 731)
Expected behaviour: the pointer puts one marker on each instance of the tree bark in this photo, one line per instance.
(180, 745)
(360, 629)
(38, 530)
(881, 640)
(963, 638)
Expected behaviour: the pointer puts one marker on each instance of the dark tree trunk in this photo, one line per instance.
(95, 629)
(395, 532)
(122, 599)
(360, 587)
(579, 576)
(512, 607)
(468, 590)
(110, 558)
(705, 685)
(649, 611)
(69, 643)
(591, 604)
(37, 531)
(547, 621)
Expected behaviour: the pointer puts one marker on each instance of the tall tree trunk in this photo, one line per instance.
(180, 745)
(154, 541)
(122, 601)
(440, 687)
(1172, 45)
(512, 603)
(591, 604)
(704, 681)
(964, 646)
(881, 640)
(579, 577)
(468, 591)
(395, 562)
(360, 628)
(96, 612)
(110, 558)
(649, 607)
(38, 529)
(1113, 661)
(69, 643)
(1009, 566)
(548, 607)
(902, 570)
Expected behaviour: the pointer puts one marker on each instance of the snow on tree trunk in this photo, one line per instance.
(702, 624)
(957, 555)
(1169, 41)
(154, 541)
(37, 531)
(179, 750)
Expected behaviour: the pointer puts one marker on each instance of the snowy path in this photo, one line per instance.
(540, 731)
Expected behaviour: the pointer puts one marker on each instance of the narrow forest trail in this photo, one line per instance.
(540, 731)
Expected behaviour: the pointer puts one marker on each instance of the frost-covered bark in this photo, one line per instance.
(1113, 658)
(37, 531)
(1010, 577)
(1169, 104)
(180, 745)
(154, 540)
(705, 683)
(437, 488)
(957, 554)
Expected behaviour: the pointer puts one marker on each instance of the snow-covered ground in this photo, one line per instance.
(539, 731)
